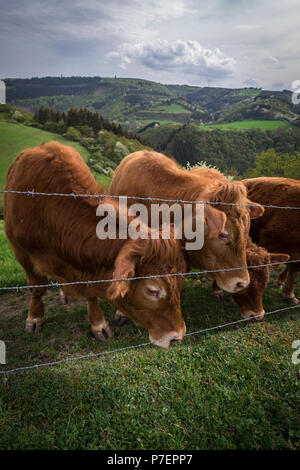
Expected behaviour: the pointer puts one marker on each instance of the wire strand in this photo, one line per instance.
(150, 276)
(126, 348)
(108, 196)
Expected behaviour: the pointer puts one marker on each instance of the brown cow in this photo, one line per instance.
(151, 174)
(250, 299)
(278, 230)
(55, 237)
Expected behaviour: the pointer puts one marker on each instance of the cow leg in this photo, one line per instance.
(99, 325)
(35, 319)
(62, 297)
(120, 318)
(288, 290)
(281, 278)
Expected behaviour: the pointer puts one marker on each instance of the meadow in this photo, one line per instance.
(16, 137)
(230, 388)
(248, 124)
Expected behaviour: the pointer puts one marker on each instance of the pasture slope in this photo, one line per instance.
(249, 124)
(16, 137)
(233, 388)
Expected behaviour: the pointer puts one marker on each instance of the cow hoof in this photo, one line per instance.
(277, 285)
(33, 327)
(120, 318)
(292, 300)
(104, 334)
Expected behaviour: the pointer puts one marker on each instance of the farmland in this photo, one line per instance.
(15, 137)
(248, 124)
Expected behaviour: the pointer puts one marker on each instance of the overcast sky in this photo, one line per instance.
(231, 43)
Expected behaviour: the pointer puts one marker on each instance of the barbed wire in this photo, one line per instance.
(150, 276)
(126, 348)
(108, 196)
(191, 273)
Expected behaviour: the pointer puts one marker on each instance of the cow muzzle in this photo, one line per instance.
(169, 339)
(254, 315)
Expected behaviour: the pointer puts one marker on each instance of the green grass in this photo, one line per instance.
(234, 388)
(249, 92)
(104, 180)
(16, 137)
(171, 108)
(248, 124)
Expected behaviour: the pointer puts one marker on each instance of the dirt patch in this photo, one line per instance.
(12, 304)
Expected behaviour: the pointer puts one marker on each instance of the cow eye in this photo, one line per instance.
(224, 235)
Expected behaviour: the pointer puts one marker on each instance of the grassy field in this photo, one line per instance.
(171, 108)
(16, 137)
(234, 388)
(248, 124)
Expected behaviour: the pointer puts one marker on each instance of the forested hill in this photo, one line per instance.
(230, 151)
(136, 102)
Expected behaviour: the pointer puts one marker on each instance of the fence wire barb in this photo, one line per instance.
(125, 348)
(181, 201)
(150, 276)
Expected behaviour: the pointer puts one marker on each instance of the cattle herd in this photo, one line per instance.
(55, 237)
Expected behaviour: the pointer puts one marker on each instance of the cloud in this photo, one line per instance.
(187, 57)
(252, 82)
(247, 27)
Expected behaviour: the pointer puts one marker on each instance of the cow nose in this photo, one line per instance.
(175, 340)
(256, 315)
(241, 285)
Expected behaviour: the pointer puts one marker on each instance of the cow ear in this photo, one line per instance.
(256, 210)
(278, 258)
(125, 265)
(215, 220)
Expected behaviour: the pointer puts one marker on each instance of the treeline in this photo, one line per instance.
(233, 152)
(18, 89)
(86, 122)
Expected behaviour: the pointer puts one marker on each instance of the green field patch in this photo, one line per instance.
(17, 137)
(171, 108)
(248, 124)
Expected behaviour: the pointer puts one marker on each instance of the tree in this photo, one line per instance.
(270, 163)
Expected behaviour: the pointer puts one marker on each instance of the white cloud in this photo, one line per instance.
(188, 57)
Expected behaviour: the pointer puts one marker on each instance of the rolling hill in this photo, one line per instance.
(135, 102)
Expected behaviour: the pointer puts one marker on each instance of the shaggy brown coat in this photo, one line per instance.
(55, 238)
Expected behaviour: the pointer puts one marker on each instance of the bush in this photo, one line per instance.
(73, 134)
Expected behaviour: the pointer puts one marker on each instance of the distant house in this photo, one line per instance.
(2, 92)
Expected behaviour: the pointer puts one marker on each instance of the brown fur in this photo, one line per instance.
(55, 237)
(278, 230)
(151, 174)
(250, 299)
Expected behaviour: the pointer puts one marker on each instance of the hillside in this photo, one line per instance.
(231, 150)
(102, 150)
(135, 102)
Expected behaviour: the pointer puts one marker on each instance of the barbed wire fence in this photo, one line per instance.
(34, 193)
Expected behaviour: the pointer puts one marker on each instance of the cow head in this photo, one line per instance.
(250, 299)
(153, 303)
(225, 236)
